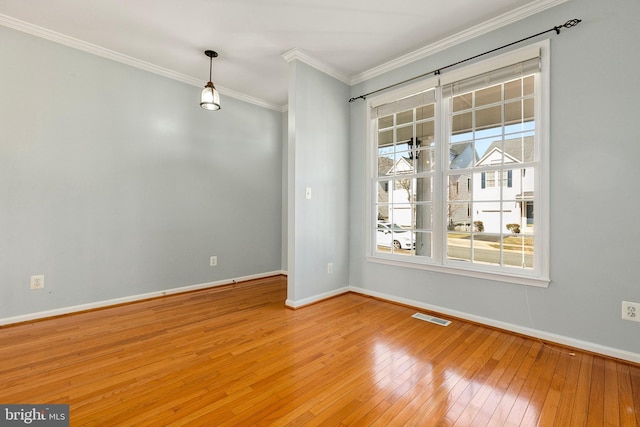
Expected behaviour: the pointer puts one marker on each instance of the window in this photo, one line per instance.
(488, 179)
(460, 171)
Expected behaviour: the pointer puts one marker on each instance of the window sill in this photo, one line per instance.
(478, 274)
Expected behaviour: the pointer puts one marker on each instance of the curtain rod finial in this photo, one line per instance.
(570, 23)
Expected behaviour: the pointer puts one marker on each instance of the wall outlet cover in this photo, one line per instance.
(37, 282)
(631, 311)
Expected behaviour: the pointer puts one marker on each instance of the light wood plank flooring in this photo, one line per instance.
(237, 356)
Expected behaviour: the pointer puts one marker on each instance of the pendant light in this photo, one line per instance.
(210, 98)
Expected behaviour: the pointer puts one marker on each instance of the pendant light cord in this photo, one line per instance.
(569, 24)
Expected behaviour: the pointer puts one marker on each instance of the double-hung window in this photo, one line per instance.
(458, 170)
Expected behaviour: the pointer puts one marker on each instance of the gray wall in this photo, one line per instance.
(113, 181)
(318, 153)
(594, 156)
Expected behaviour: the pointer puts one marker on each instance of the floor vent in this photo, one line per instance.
(431, 319)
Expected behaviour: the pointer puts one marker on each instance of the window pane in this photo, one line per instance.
(392, 238)
(458, 217)
(513, 112)
(459, 187)
(461, 123)
(518, 251)
(383, 212)
(423, 217)
(459, 246)
(385, 165)
(529, 111)
(425, 160)
(404, 117)
(423, 243)
(405, 133)
(399, 191)
(512, 221)
(519, 111)
(460, 156)
(489, 117)
(401, 212)
(486, 215)
(425, 112)
(490, 95)
(519, 149)
(516, 180)
(385, 138)
(490, 179)
(513, 89)
(425, 132)
(423, 189)
(487, 147)
(528, 208)
(489, 132)
(382, 190)
(462, 102)
(486, 248)
(528, 85)
(403, 165)
(385, 122)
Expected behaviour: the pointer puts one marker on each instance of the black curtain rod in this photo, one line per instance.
(570, 23)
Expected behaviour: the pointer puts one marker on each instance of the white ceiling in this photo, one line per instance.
(347, 37)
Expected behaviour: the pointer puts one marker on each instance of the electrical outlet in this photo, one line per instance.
(213, 261)
(631, 311)
(37, 282)
(330, 268)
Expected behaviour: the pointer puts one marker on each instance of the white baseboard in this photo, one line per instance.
(131, 298)
(547, 336)
(316, 298)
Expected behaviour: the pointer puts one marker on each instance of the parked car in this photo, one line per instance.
(392, 234)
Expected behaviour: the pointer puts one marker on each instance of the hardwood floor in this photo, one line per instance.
(237, 356)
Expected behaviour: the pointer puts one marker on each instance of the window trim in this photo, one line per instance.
(538, 277)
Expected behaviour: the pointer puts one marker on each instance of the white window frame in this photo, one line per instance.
(539, 275)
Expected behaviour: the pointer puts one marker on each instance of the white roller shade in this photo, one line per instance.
(492, 77)
(404, 104)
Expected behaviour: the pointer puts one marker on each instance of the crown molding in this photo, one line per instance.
(461, 37)
(247, 98)
(72, 42)
(299, 55)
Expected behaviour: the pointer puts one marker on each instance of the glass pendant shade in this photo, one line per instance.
(210, 98)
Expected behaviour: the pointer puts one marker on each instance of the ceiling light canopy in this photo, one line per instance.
(210, 98)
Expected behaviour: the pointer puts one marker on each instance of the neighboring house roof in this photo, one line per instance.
(386, 166)
(404, 165)
(520, 149)
(489, 155)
